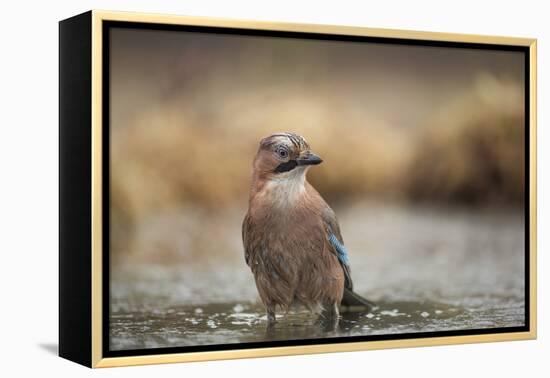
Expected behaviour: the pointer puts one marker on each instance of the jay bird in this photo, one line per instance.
(291, 236)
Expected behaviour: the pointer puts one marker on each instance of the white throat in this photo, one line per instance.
(285, 189)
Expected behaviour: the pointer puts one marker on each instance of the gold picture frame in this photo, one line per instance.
(82, 275)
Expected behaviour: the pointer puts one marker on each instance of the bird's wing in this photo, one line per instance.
(340, 249)
(337, 243)
(350, 298)
(245, 235)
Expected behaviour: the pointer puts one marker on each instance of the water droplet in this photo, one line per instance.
(211, 324)
(238, 307)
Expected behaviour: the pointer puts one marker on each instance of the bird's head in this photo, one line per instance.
(284, 156)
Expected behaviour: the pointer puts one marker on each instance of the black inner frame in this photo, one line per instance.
(106, 27)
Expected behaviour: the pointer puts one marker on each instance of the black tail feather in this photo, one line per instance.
(352, 302)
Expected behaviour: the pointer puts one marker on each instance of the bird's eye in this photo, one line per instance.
(283, 153)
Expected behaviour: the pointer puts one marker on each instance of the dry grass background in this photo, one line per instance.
(472, 151)
(391, 122)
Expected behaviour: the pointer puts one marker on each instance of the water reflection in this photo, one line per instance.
(221, 324)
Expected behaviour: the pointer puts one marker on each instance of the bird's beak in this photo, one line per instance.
(309, 158)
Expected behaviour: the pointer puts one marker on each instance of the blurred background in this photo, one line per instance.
(423, 151)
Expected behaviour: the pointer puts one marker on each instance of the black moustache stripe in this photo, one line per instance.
(285, 167)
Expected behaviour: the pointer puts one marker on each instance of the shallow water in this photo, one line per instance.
(427, 270)
(237, 323)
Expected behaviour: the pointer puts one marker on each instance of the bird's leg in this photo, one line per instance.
(330, 311)
(271, 319)
(270, 329)
(329, 317)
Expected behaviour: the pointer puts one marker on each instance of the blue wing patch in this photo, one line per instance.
(340, 249)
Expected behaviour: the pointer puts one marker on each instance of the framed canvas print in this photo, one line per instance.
(235, 189)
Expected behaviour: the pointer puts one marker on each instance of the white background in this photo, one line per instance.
(29, 186)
